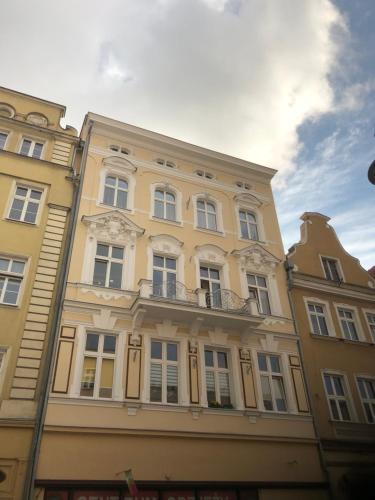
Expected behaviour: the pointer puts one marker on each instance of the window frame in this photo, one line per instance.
(165, 203)
(338, 268)
(33, 141)
(356, 320)
(327, 315)
(40, 202)
(369, 401)
(219, 231)
(117, 166)
(270, 375)
(116, 190)
(216, 370)
(347, 395)
(109, 261)
(7, 134)
(257, 288)
(366, 313)
(164, 362)
(21, 277)
(254, 214)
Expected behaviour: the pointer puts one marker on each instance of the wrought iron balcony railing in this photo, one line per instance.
(173, 290)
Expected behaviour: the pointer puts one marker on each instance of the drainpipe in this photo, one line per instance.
(50, 355)
(289, 271)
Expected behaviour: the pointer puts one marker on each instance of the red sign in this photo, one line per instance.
(178, 495)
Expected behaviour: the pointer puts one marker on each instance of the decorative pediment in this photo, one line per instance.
(118, 163)
(165, 243)
(255, 257)
(211, 253)
(37, 119)
(248, 200)
(113, 227)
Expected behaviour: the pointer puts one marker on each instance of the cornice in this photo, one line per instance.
(13, 124)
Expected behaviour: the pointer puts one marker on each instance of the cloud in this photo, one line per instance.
(239, 76)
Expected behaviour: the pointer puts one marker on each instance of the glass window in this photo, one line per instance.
(272, 382)
(371, 323)
(3, 139)
(331, 269)
(164, 282)
(164, 372)
(98, 366)
(318, 319)
(164, 205)
(31, 148)
(257, 286)
(115, 192)
(249, 226)
(348, 325)
(337, 396)
(108, 266)
(217, 378)
(210, 281)
(367, 393)
(11, 276)
(25, 204)
(206, 214)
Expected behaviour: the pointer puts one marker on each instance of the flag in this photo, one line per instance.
(131, 483)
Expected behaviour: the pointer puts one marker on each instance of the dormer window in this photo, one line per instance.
(331, 271)
(118, 149)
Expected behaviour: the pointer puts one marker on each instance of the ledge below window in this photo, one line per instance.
(167, 221)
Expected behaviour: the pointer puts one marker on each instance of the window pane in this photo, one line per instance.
(158, 261)
(88, 376)
(201, 219)
(159, 209)
(25, 148)
(37, 153)
(251, 279)
(159, 195)
(16, 210)
(109, 344)
(266, 391)
(170, 197)
(328, 384)
(334, 409)
(117, 253)
(275, 366)
(11, 291)
(323, 325)
(109, 196)
(339, 389)
(262, 281)
(204, 272)
(209, 358)
(170, 263)
(157, 284)
(244, 230)
(92, 342)
(224, 388)
(370, 385)
(344, 410)
(35, 195)
(211, 221)
(264, 302)
(122, 184)
(17, 267)
(214, 274)
(211, 208)
(222, 360)
(4, 264)
(210, 387)
(172, 352)
(171, 285)
(106, 378)
(3, 138)
(279, 393)
(122, 199)
(156, 350)
(200, 205)
(31, 212)
(100, 272)
(262, 362)
(315, 324)
(171, 212)
(115, 276)
(155, 382)
(172, 384)
(368, 412)
(110, 181)
(102, 250)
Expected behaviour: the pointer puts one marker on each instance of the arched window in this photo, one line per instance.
(249, 226)
(115, 192)
(206, 215)
(164, 204)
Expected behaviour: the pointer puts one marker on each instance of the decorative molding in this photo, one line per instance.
(217, 336)
(256, 258)
(121, 163)
(269, 344)
(37, 119)
(166, 244)
(113, 226)
(166, 328)
(211, 253)
(103, 320)
(248, 200)
(106, 294)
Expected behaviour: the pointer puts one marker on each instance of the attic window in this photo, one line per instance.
(165, 163)
(114, 148)
(204, 173)
(118, 149)
(243, 185)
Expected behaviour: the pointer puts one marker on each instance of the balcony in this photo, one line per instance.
(174, 301)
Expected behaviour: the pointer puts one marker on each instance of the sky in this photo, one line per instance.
(288, 84)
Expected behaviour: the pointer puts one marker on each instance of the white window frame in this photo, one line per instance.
(338, 267)
(4, 356)
(164, 363)
(219, 215)
(327, 314)
(33, 141)
(163, 162)
(166, 246)
(40, 202)
(163, 186)
(357, 322)
(369, 324)
(216, 371)
(348, 397)
(256, 223)
(270, 374)
(369, 401)
(109, 260)
(116, 189)
(7, 133)
(205, 174)
(118, 166)
(258, 288)
(17, 276)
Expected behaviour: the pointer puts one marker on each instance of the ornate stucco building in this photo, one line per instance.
(334, 305)
(36, 196)
(177, 356)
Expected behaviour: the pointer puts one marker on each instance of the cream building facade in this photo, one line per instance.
(36, 196)
(177, 356)
(334, 304)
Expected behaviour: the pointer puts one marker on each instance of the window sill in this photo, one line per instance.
(210, 231)
(167, 221)
(14, 306)
(325, 337)
(113, 207)
(247, 240)
(31, 224)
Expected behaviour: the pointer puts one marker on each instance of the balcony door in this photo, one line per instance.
(210, 281)
(164, 277)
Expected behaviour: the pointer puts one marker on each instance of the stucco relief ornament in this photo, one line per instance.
(112, 227)
(257, 258)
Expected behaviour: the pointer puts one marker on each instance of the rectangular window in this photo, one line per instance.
(272, 382)
(31, 148)
(337, 396)
(109, 261)
(25, 204)
(248, 224)
(217, 378)
(98, 365)
(257, 285)
(3, 353)
(164, 276)
(3, 139)
(164, 372)
(331, 269)
(210, 281)
(348, 325)
(367, 392)
(371, 323)
(11, 276)
(318, 319)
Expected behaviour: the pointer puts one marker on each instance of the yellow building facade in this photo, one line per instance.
(177, 356)
(36, 196)
(334, 305)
